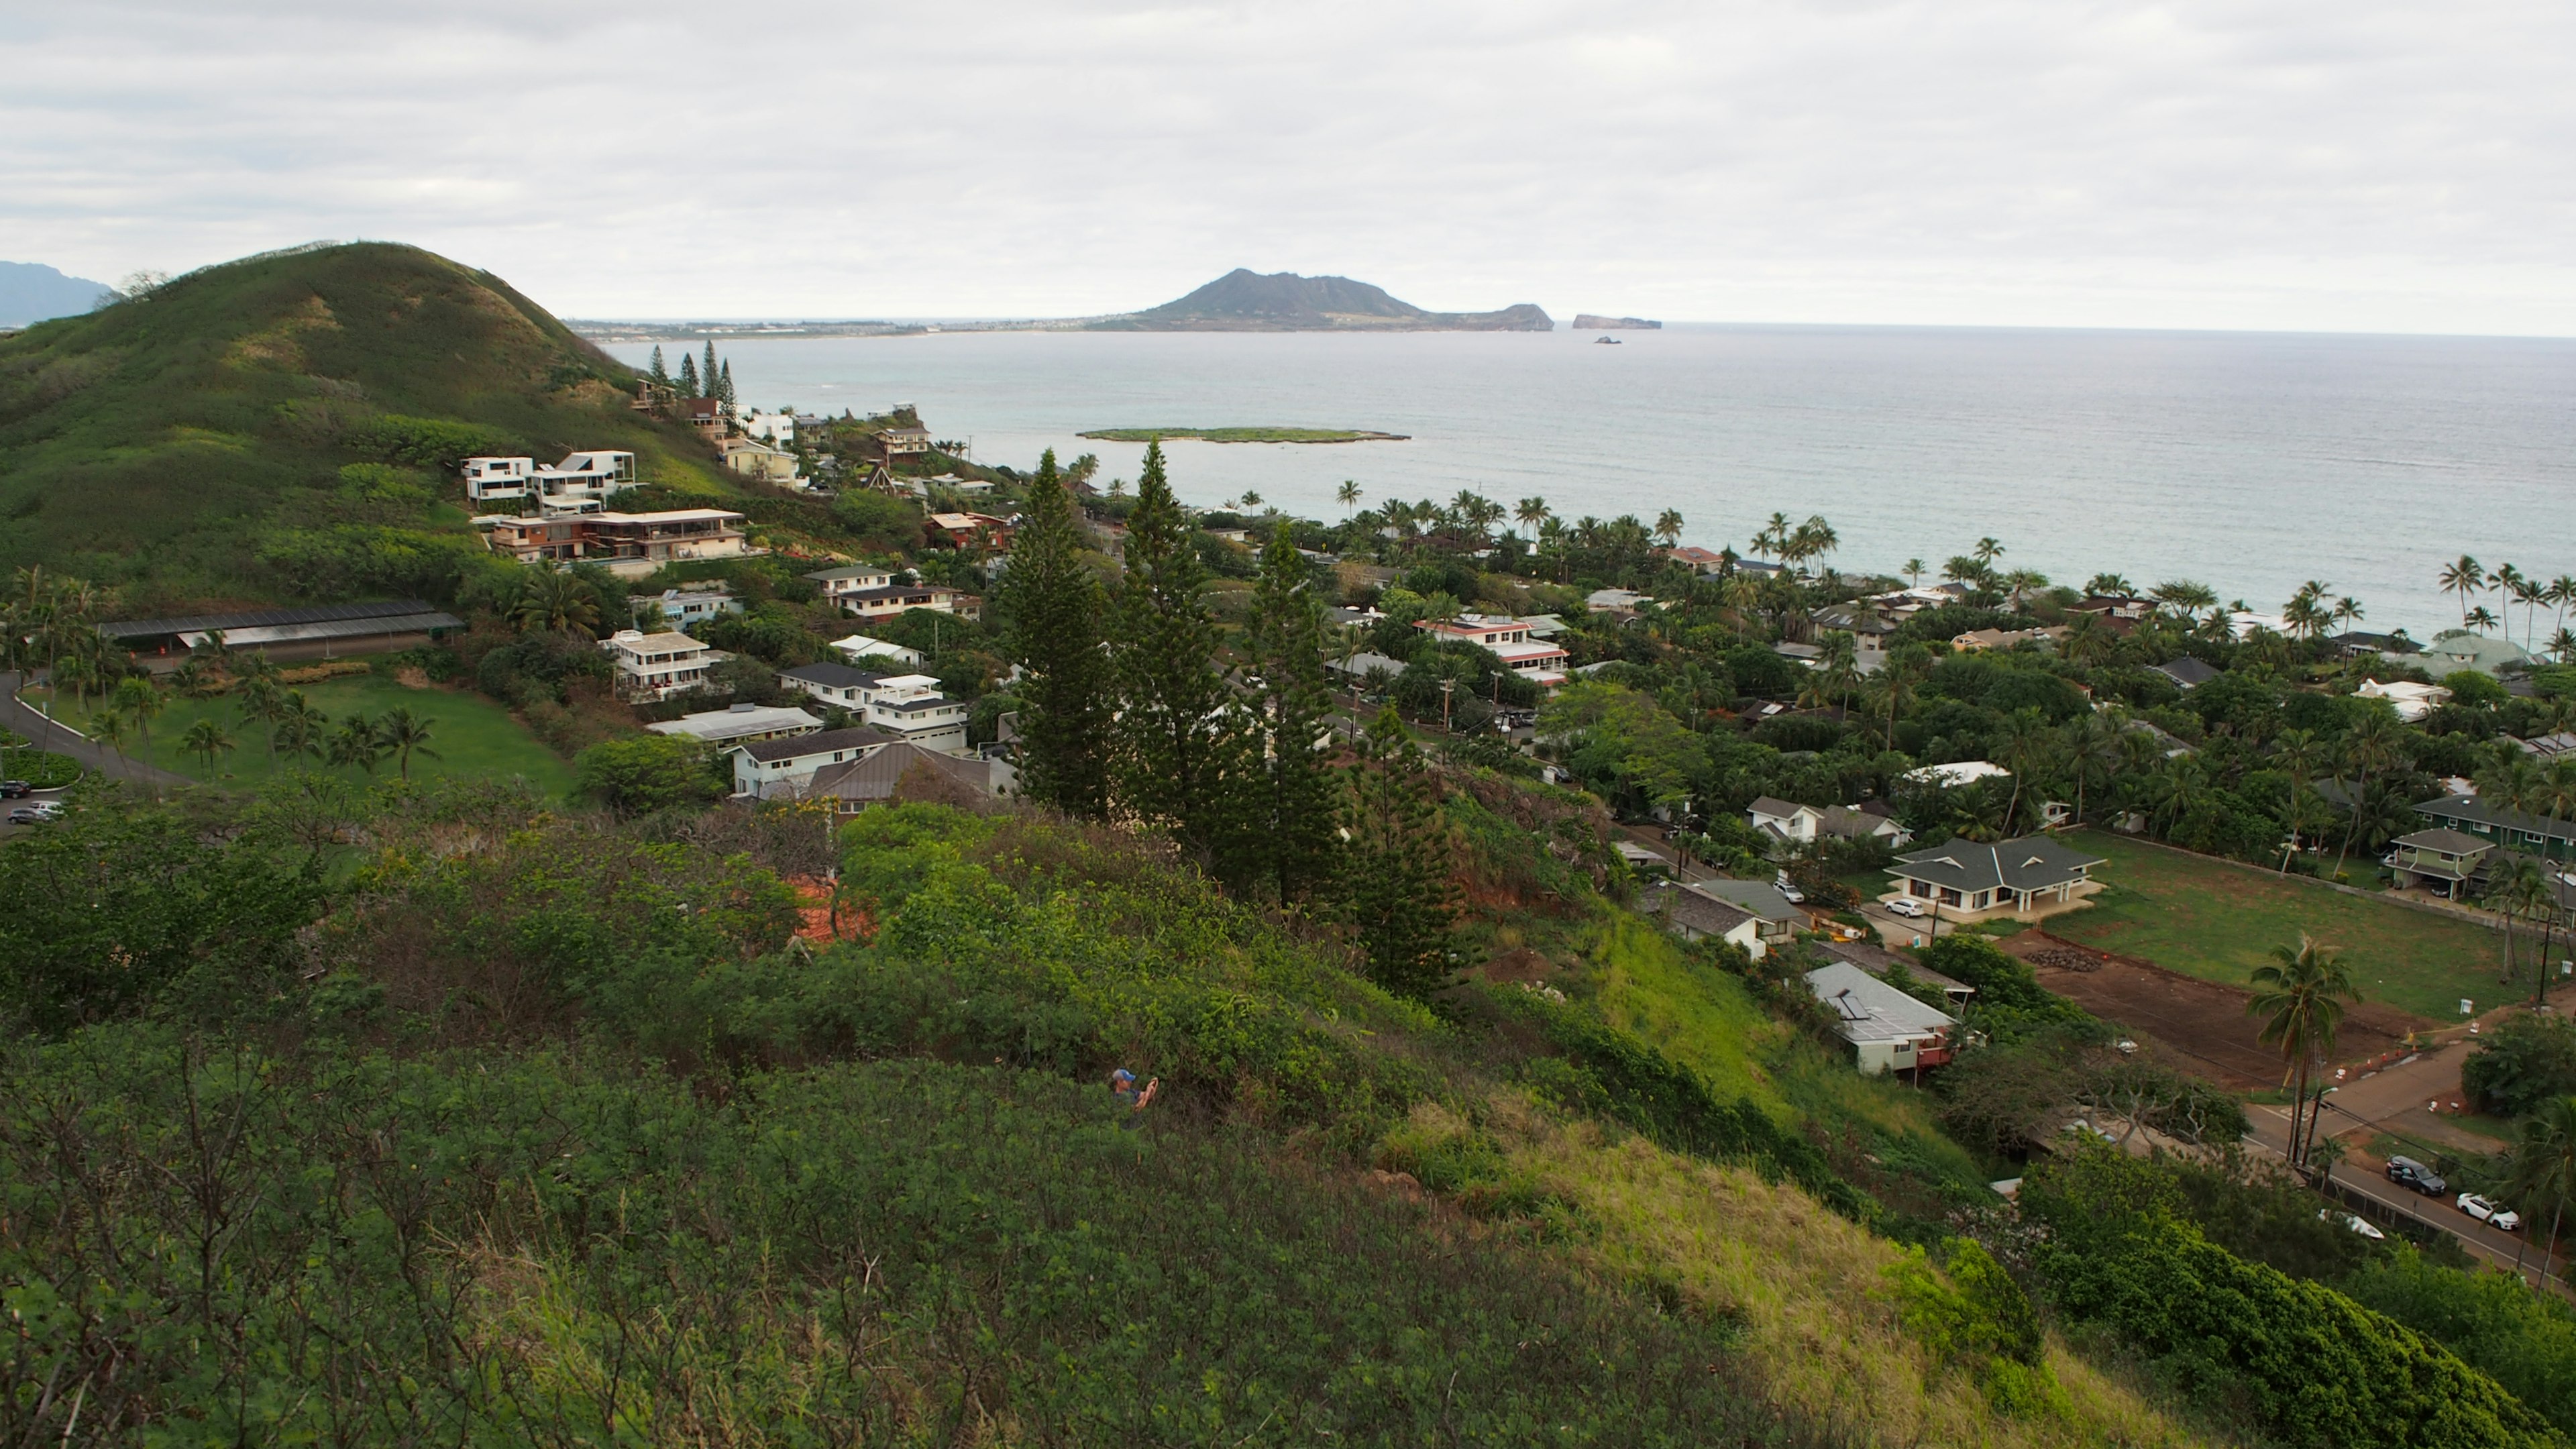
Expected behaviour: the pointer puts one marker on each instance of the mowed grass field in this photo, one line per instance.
(2218, 922)
(475, 737)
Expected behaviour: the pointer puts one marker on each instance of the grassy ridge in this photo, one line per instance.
(173, 441)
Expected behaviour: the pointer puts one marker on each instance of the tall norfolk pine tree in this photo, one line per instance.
(688, 375)
(1399, 895)
(1054, 603)
(1180, 761)
(1292, 838)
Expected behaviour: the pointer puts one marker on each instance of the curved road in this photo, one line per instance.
(43, 733)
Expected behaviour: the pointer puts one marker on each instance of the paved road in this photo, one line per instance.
(46, 735)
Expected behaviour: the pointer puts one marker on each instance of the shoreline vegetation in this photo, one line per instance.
(1244, 435)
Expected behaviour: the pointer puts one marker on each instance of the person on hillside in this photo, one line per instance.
(1122, 1082)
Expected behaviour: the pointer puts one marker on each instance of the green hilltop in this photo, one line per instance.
(189, 445)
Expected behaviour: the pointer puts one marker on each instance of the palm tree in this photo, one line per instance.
(2109, 586)
(356, 742)
(2518, 889)
(1531, 513)
(2463, 578)
(2185, 597)
(1251, 499)
(1348, 495)
(1986, 552)
(2480, 618)
(1668, 526)
(108, 728)
(2024, 747)
(2347, 612)
(1913, 571)
(261, 702)
(138, 700)
(2544, 1169)
(2092, 748)
(2300, 996)
(206, 739)
(550, 599)
(2372, 746)
(298, 727)
(404, 736)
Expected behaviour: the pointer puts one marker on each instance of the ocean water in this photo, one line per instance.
(2251, 462)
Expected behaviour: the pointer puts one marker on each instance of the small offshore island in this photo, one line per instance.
(1243, 435)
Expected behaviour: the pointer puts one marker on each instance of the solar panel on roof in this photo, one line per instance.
(262, 618)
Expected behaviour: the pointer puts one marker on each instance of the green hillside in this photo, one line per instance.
(189, 446)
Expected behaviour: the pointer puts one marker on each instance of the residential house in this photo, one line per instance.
(1980, 639)
(650, 667)
(1357, 669)
(781, 768)
(878, 775)
(705, 414)
(874, 593)
(839, 684)
(769, 427)
(2354, 644)
(1698, 560)
(1958, 772)
(578, 484)
(911, 705)
(1889, 1031)
(629, 545)
(2440, 860)
(1869, 625)
(1509, 640)
(2458, 650)
(1749, 914)
(1604, 601)
(2502, 825)
(812, 430)
(2549, 746)
(969, 531)
(739, 724)
(2412, 701)
(1804, 824)
(688, 605)
(1878, 961)
(764, 462)
(2187, 673)
(857, 647)
(1976, 880)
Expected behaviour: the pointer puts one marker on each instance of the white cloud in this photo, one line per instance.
(2259, 163)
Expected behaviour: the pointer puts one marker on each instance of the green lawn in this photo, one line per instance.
(474, 736)
(1699, 1014)
(2218, 922)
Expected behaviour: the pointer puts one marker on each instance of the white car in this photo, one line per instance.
(2490, 1212)
(2354, 1223)
(1905, 906)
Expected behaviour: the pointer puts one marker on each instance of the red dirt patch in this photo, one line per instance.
(1521, 965)
(2201, 1026)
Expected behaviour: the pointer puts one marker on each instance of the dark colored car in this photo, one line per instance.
(15, 789)
(2407, 1172)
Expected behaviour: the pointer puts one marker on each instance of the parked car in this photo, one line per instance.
(15, 789)
(2358, 1225)
(2407, 1172)
(2490, 1212)
(1905, 906)
(29, 815)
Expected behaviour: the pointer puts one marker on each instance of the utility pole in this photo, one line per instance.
(1447, 687)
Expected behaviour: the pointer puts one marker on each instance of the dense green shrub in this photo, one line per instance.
(2010, 1003)
(1611, 1073)
(637, 774)
(2493, 1320)
(429, 442)
(1977, 1320)
(2527, 1060)
(2306, 1363)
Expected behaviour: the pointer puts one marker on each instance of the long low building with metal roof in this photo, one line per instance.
(321, 631)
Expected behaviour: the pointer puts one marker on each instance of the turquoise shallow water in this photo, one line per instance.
(2249, 461)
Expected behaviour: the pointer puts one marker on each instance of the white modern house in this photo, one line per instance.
(1969, 880)
(1509, 639)
(780, 769)
(581, 483)
(858, 648)
(739, 724)
(768, 427)
(653, 667)
(911, 706)
(1802, 824)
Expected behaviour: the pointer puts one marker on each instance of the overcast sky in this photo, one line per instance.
(2349, 165)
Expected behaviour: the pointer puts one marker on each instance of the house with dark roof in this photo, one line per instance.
(1750, 914)
(2502, 825)
(779, 769)
(2186, 672)
(876, 777)
(1975, 880)
(1803, 824)
(2440, 860)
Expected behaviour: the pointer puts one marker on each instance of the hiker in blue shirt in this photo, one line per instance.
(1122, 1082)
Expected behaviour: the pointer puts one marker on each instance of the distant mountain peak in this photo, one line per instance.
(33, 292)
(1244, 300)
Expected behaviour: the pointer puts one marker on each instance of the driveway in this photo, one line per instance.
(62, 740)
